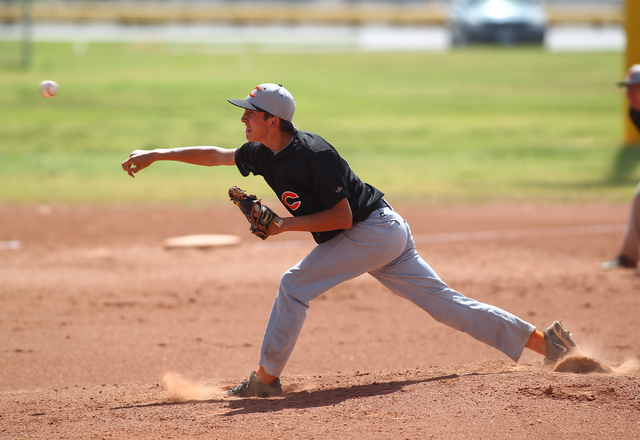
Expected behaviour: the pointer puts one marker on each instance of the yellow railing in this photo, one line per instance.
(260, 14)
(233, 14)
(598, 17)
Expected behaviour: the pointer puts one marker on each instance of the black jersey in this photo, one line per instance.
(309, 176)
(635, 117)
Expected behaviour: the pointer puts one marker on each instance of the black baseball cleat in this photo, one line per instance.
(254, 388)
(619, 262)
(559, 344)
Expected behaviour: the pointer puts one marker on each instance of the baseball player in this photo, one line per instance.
(629, 253)
(356, 231)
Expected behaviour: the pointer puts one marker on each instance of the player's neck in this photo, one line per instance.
(278, 141)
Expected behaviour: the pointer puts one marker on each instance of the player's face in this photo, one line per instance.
(256, 127)
(633, 93)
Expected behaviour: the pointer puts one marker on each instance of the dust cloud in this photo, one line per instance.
(588, 364)
(181, 388)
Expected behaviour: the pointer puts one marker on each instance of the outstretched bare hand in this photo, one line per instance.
(138, 160)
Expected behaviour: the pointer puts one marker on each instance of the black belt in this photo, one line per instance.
(382, 203)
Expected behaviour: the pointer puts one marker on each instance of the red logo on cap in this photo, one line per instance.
(252, 95)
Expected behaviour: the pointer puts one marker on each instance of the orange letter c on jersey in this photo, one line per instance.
(291, 199)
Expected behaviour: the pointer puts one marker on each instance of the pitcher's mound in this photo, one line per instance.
(581, 364)
(201, 241)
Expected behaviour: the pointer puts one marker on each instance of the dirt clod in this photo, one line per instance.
(581, 364)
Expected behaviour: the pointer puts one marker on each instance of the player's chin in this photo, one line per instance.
(250, 137)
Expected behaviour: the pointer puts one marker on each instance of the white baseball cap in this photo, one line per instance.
(633, 76)
(271, 98)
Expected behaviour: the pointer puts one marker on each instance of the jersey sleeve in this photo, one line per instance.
(247, 159)
(329, 180)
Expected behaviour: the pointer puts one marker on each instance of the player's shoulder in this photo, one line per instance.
(313, 142)
(252, 148)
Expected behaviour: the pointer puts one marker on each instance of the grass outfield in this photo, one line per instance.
(471, 125)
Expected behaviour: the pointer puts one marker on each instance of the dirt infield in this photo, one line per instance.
(106, 334)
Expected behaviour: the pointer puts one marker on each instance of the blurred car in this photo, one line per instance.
(497, 21)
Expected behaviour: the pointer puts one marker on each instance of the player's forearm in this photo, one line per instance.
(205, 156)
(338, 217)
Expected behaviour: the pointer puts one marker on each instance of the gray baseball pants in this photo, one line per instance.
(381, 245)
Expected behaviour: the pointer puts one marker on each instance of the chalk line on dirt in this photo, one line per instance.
(502, 234)
(519, 233)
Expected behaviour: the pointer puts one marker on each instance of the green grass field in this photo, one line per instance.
(471, 125)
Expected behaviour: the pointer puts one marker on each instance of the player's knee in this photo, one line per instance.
(291, 290)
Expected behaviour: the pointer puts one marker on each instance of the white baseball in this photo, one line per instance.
(48, 88)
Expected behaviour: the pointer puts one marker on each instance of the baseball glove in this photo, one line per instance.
(260, 216)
